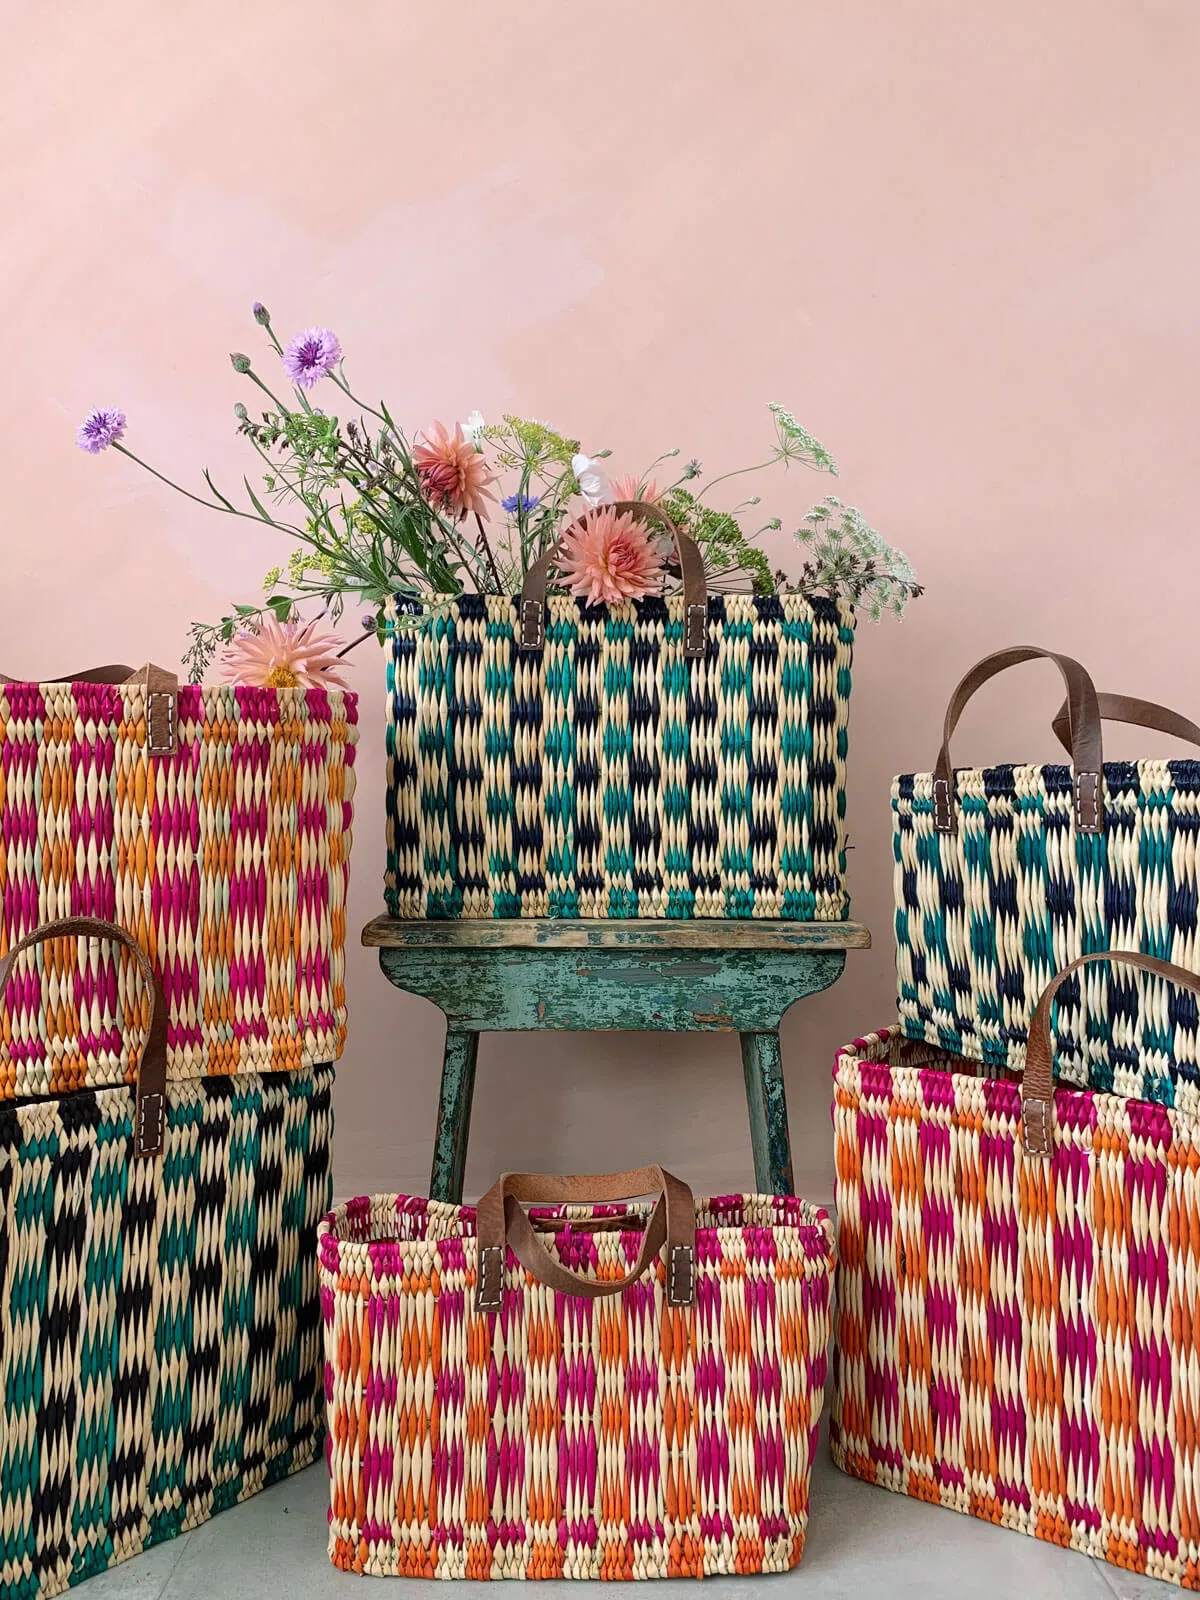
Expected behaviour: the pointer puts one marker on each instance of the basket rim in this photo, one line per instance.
(807, 1220)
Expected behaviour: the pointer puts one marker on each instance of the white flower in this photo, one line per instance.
(593, 484)
(473, 428)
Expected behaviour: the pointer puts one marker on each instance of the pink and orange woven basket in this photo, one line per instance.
(581, 1408)
(1018, 1297)
(212, 825)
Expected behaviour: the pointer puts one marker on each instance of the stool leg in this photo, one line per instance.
(454, 1116)
(766, 1102)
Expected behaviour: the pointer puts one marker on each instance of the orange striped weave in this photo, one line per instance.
(1019, 1339)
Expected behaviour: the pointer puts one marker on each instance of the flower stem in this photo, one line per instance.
(354, 643)
(738, 472)
(209, 505)
(487, 550)
(279, 405)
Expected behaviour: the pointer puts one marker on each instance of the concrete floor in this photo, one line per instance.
(862, 1541)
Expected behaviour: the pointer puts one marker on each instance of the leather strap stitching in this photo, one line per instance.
(943, 806)
(489, 1287)
(1087, 802)
(683, 1256)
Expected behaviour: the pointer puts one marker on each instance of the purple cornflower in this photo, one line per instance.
(311, 356)
(99, 429)
(521, 502)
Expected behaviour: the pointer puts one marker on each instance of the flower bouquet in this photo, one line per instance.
(604, 700)
(372, 514)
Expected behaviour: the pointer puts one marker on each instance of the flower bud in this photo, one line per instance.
(241, 413)
(261, 315)
(239, 362)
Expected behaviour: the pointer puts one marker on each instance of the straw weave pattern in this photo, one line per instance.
(987, 915)
(160, 1340)
(1019, 1339)
(606, 775)
(226, 861)
(567, 1437)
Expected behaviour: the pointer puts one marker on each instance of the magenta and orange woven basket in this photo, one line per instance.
(213, 826)
(583, 1406)
(1018, 1296)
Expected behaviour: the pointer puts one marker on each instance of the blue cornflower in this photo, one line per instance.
(521, 502)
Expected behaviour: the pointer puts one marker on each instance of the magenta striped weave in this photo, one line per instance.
(562, 1436)
(227, 861)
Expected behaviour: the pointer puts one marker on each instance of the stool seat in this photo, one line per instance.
(698, 976)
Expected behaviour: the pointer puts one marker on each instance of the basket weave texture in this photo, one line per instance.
(987, 914)
(1018, 1338)
(227, 861)
(605, 774)
(160, 1341)
(563, 1436)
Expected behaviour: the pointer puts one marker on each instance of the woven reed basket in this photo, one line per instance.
(213, 825)
(1017, 1333)
(680, 757)
(579, 1406)
(1004, 875)
(159, 1314)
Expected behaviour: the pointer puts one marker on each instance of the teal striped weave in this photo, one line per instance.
(605, 775)
(160, 1326)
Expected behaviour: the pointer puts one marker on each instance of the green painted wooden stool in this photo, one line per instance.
(680, 977)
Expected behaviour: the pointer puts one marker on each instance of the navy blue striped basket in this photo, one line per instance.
(614, 771)
(1006, 874)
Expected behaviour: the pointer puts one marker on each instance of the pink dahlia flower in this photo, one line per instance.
(631, 488)
(610, 556)
(284, 655)
(453, 474)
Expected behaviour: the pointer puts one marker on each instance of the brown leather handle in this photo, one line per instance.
(162, 698)
(691, 564)
(113, 674)
(1083, 714)
(501, 1221)
(1138, 713)
(150, 1103)
(1037, 1086)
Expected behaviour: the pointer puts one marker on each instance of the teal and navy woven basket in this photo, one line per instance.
(608, 773)
(160, 1321)
(1005, 874)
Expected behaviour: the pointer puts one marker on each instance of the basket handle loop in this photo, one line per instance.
(1037, 1086)
(162, 696)
(150, 1103)
(1083, 716)
(691, 564)
(501, 1222)
(1138, 713)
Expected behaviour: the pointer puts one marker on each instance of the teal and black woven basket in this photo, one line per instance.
(1005, 874)
(612, 771)
(160, 1323)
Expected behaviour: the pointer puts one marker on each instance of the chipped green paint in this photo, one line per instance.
(454, 1115)
(766, 1101)
(595, 990)
(486, 988)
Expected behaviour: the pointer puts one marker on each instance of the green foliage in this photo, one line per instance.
(725, 547)
(521, 442)
(797, 444)
(365, 521)
(847, 559)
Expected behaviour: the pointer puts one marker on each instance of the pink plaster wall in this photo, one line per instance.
(961, 243)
